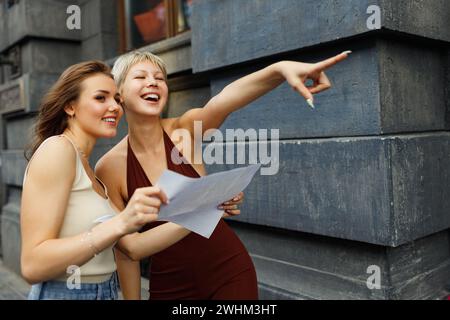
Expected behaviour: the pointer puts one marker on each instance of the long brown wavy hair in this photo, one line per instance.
(52, 118)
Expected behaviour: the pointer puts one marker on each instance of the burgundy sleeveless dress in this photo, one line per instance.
(195, 267)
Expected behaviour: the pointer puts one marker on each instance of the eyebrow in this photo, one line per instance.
(107, 92)
(140, 70)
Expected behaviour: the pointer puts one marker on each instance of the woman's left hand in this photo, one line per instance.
(231, 206)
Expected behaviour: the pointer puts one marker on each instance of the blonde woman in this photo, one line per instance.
(193, 268)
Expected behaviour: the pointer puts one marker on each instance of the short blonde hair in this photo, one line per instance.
(124, 63)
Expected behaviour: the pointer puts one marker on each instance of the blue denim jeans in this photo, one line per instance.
(58, 290)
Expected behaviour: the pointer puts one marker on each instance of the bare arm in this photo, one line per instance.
(128, 270)
(247, 89)
(142, 245)
(137, 245)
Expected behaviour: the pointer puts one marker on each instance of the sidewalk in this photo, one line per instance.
(12, 286)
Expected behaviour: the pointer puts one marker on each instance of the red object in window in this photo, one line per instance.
(151, 24)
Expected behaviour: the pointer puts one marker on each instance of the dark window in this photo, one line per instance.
(147, 21)
(10, 3)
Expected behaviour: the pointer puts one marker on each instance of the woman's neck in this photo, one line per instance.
(84, 142)
(146, 134)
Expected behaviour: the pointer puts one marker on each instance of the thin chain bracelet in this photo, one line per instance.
(88, 238)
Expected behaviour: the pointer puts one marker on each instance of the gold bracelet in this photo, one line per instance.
(88, 238)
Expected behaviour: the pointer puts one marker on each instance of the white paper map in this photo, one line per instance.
(193, 201)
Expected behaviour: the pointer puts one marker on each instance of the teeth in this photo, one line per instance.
(151, 96)
(109, 120)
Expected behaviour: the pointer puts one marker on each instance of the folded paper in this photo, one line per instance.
(193, 201)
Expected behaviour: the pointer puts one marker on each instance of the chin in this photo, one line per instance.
(150, 110)
(108, 134)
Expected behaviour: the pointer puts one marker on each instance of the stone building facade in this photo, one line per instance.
(362, 192)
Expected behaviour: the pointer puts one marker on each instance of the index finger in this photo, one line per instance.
(325, 64)
(155, 191)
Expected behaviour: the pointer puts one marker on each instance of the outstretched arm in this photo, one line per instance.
(247, 89)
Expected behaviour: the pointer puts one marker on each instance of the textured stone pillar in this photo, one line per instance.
(45, 48)
(363, 179)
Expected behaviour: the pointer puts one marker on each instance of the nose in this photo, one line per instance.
(114, 107)
(152, 82)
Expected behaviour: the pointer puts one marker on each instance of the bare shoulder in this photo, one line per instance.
(170, 124)
(183, 140)
(175, 131)
(114, 159)
(179, 136)
(58, 154)
(111, 170)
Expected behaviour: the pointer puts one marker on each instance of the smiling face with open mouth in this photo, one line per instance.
(145, 90)
(97, 110)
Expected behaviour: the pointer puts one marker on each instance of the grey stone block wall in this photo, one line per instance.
(420, 269)
(380, 89)
(25, 19)
(293, 265)
(447, 87)
(263, 28)
(182, 101)
(20, 131)
(10, 232)
(13, 168)
(99, 29)
(387, 191)
(44, 56)
(425, 18)
(47, 47)
(350, 108)
(407, 69)
(369, 165)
